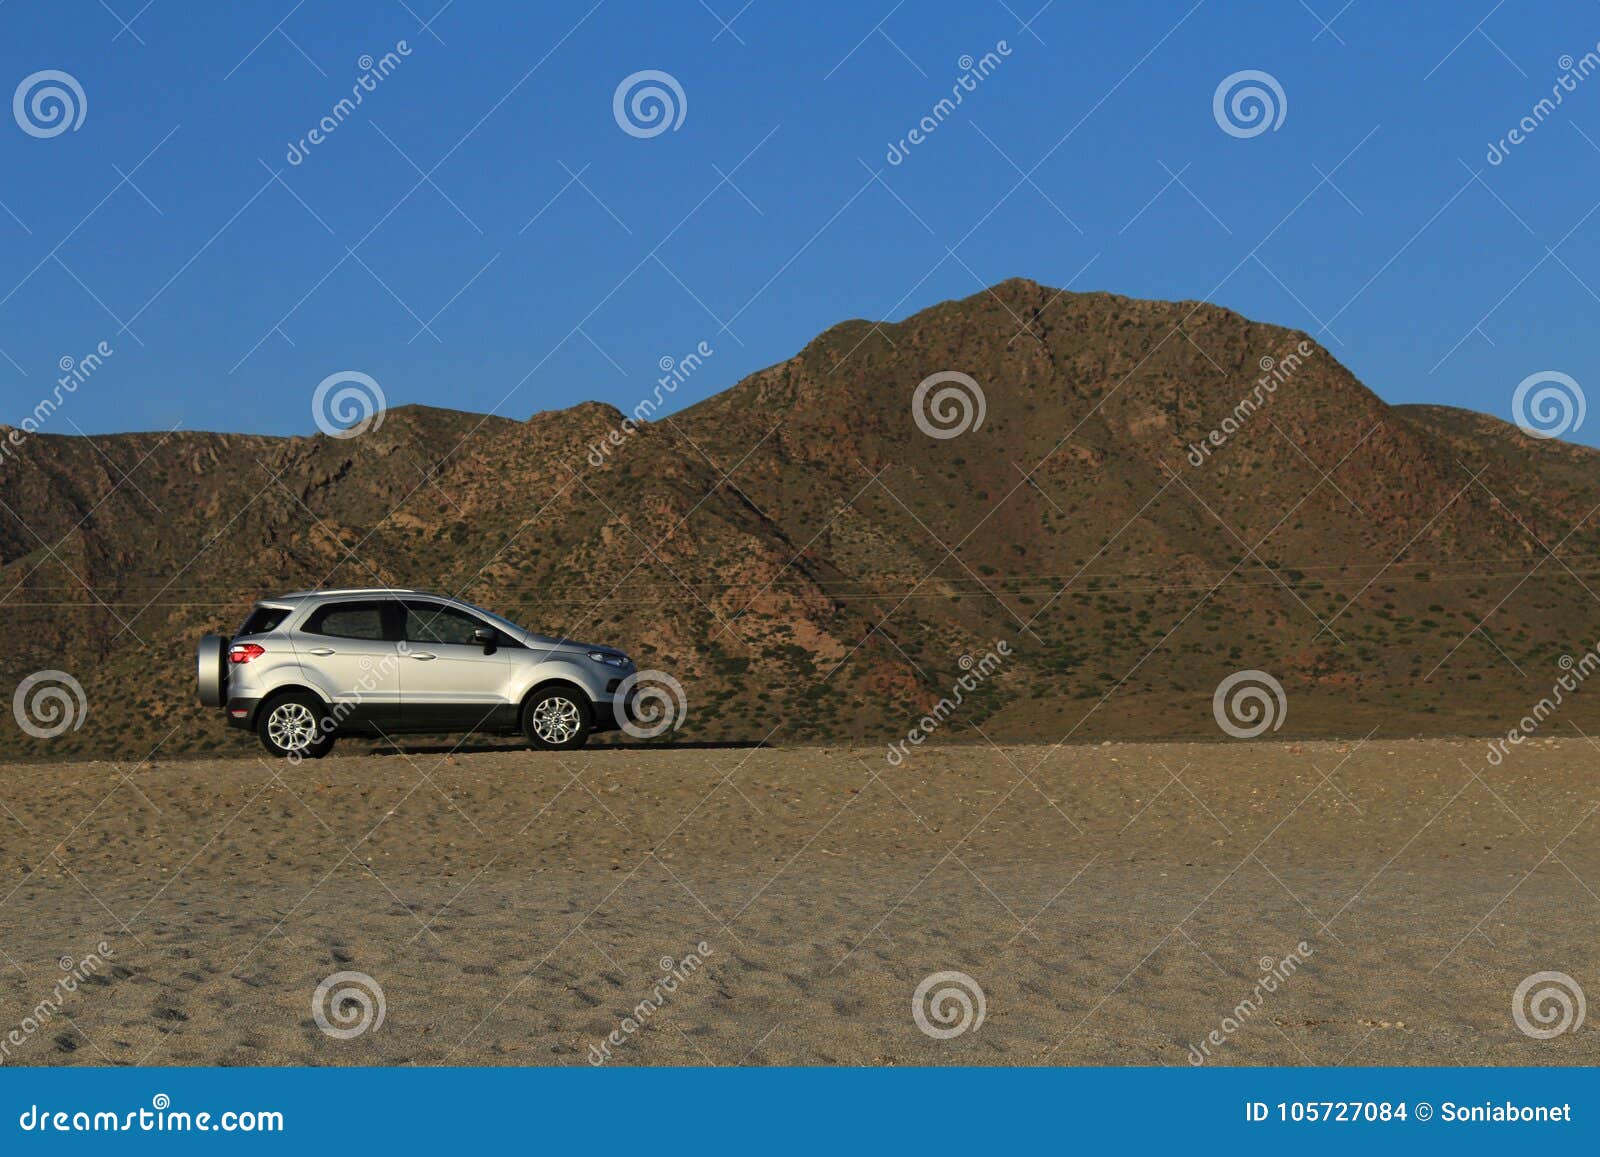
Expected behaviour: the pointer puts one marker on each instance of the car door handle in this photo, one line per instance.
(321, 651)
(424, 656)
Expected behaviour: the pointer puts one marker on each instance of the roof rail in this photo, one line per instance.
(327, 591)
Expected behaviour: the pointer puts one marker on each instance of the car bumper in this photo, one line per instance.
(611, 709)
(241, 712)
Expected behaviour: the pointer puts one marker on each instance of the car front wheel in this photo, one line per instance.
(557, 719)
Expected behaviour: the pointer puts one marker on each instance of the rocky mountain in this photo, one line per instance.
(1137, 498)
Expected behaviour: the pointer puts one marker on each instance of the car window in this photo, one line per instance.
(347, 621)
(263, 619)
(432, 623)
(505, 624)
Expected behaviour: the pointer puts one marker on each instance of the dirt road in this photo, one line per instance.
(1114, 904)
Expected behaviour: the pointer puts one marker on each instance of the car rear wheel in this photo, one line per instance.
(557, 719)
(291, 727)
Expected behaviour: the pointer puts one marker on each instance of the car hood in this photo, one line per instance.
(566, 646)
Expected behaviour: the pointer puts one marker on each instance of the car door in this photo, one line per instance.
(453, 682)
(350, 650)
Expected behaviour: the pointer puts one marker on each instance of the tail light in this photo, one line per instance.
(244, 652)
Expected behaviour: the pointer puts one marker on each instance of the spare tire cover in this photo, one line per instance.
(211, 670)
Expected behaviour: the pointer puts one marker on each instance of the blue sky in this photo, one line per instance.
(551, 257)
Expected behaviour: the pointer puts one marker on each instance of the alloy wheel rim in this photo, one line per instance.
(555, 720)
(292, 726)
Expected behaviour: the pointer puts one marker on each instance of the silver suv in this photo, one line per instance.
(312, 665)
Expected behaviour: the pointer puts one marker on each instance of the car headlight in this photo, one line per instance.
(608, 659)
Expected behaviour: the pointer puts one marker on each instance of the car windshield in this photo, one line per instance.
(499, 620)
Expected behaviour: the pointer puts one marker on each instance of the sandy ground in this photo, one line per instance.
(1114, 904)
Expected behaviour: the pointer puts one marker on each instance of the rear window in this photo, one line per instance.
(347, 621)
(263, 619)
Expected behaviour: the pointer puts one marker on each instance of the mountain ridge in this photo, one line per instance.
(813, 562)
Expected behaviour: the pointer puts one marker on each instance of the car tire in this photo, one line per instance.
(283, 722)
(557, 719)
(211, 670)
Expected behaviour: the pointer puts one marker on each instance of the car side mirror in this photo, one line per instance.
(485, 637)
